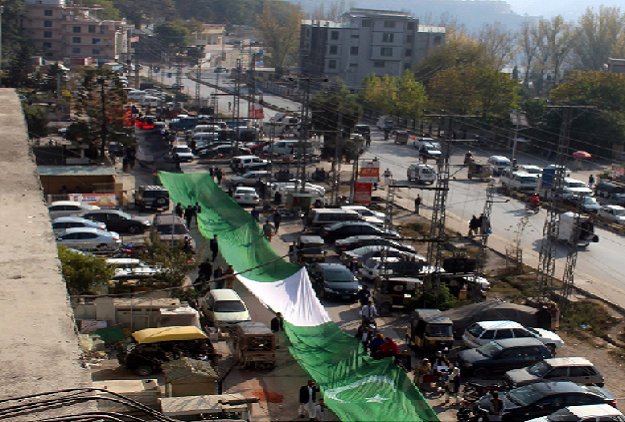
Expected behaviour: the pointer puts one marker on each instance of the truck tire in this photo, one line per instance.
(144, 371)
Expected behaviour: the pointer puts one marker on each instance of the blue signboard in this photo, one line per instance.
(548, 177)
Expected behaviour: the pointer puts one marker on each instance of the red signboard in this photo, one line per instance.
(362, 193)
(256, 111)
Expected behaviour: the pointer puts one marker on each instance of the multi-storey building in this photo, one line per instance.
(368, 41)
(63, 31)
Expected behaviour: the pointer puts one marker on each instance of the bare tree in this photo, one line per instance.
(498, 42)
(334, 12)
(559, 40)
(529, 50)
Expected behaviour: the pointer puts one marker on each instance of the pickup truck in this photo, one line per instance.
(519, 181)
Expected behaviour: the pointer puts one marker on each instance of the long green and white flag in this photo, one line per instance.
(356, 387)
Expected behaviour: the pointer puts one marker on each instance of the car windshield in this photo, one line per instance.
(125, 215)
(539, 369)
(167, 229)
(475, 330)
(338, 275)
(576, 184)
(434, 330)
(229, 306)
(524, 396)
(527, 179)
(489, 349)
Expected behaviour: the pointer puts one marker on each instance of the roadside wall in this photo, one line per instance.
(40, 350)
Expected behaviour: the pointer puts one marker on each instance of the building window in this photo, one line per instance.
(388, 37)
(353, 65)
(48, 54)
(76, 50)
(355, 36)
(104, 28)
(408, 53)
(386, 52)
(48, 12)
(409, 39)
(334, 35)
(353, 51)
(407, 66)
(366, 23)
(76, 40)
(76, 29)
(334, 49)
(411, 25)
(95, 51)
(95, 41)
(437, 39)
(331, 64)
(47, 24)
(378, 64)
(47, 45)
(389, 24)
(47, 34)
(92, 29)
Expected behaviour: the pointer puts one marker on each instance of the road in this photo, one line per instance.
(596, 271)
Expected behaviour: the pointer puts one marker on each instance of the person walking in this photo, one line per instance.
(452, 386)
(230, 277)
(189, 213)
(422, 370)
(277, 323)
(474, 225)
(268, 230)
(591, 181)
(198, 210)
(404, 361)
(417, 204)
(496, 407)
(214, 247)
(255, 214)
(321, 411)
(220, 175)
(387, 176)
(206, 268)
(179, 211)
(307, 395)
(277, 219)
(218, 276)
(364, 295)
(368, 313)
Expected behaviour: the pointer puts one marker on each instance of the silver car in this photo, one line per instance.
(68, 208)
(89, 239)
(577, 369)
(63, 223)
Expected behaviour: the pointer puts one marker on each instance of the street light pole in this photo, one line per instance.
(517, 120)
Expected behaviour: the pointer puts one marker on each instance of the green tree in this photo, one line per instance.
(598, 33)
(174, 262)
(279, 28)
(473, 90)
(172, 35)
(84, 274)
(20, 69)
(36, 120)
(398, 96)
(378, 92)
(101, 99)
(108, 11)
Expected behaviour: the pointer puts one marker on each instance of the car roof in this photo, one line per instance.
(568, 361)
(519, 342)
(614, 207)
(352, 223)
(551, 387)
(122, 261)
(72, 218)
(591, 410)
(225, 294)
(242, 157)
(86, 230)
(493, 325)
(361, 237)
(66, 203)
(331, 210)
(245, 188)
(330, 265)
(498, 158)
(167, 219)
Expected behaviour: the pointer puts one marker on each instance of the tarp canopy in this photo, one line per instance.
(154, 335)
(356, 387)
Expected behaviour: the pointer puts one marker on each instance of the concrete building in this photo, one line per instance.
(616, 65)
(368, 41)
(72, 32)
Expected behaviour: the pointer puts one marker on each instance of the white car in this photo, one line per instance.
(584, 413)
(182, 153)
(245, 196)
(224, 308)
(69, 208)
(531, 169)
(365, 212)
(89, 239)
(614, 213)
(131, 268)
(484, 332)
(296, 184)
(63, 223)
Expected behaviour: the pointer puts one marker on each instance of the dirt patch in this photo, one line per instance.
(268, 396)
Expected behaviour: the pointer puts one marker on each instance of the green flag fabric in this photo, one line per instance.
(355, 386)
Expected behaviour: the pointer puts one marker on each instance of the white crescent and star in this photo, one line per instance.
(333, 393)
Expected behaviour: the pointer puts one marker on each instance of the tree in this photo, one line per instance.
(172, 35)
(36, 120)
(83, 273)
(108, 12)
(334, 12)
(20, 68)
(473, 90)
(279, 29)
(101, 99)
(498, 42)
(378, 92)
(174, 262)
(529, 49)
(598, 33)
(559, 41)
(398, 96)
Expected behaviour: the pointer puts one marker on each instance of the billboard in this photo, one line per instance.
(369, 171)
(102, 200)
(362, 193)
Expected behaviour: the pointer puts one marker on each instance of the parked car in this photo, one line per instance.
(152, 197)
(246, 163)
(544, 398)
(68, 208)
(120, 221)
(244, 195)
(613, 213)
(376, 251)
(354, 228)
(578, 370)
(502, 355)
(171, 228)
(584, 413)
(224, 308)
(482, 332)
(587, 203)
(89, 239)
(611, 191)
(131, 268)
(251, 178)
(354, 242)
(63, 223)
(499, 163)
(182, 153)
(334, 281)
(223, 151)
(429, 150)
(365, 212)
(296, 184)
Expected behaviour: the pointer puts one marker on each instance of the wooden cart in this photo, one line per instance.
(255, 344)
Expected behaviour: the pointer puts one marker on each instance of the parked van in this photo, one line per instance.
(170, 228)
(286, 147)
(224, 308)
(206, 129)
(499, 163)
(136, 95)
(244, 163)
(519, 181)
(318, 218)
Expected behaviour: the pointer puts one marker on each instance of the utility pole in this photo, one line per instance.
(303, 133)
(198, 85)
(251, 106)
(235, 106)
(485, 227)
(517, 120)
(336, 164)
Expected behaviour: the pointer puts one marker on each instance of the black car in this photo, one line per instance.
(223, 151)
(354, 228)
(334, 280)
(119, 221)
(152, 197)
(503, 355)
(354, 242)
(543, 398)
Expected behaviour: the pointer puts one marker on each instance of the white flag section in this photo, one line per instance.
(293, 296)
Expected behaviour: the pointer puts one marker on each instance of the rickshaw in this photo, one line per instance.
(430, 330)
(479, 171)
(255, 344)
(310, 248)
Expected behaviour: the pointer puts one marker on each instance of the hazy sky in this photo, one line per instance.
(571, 10)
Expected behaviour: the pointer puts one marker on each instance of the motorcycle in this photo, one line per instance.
(532, 207)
